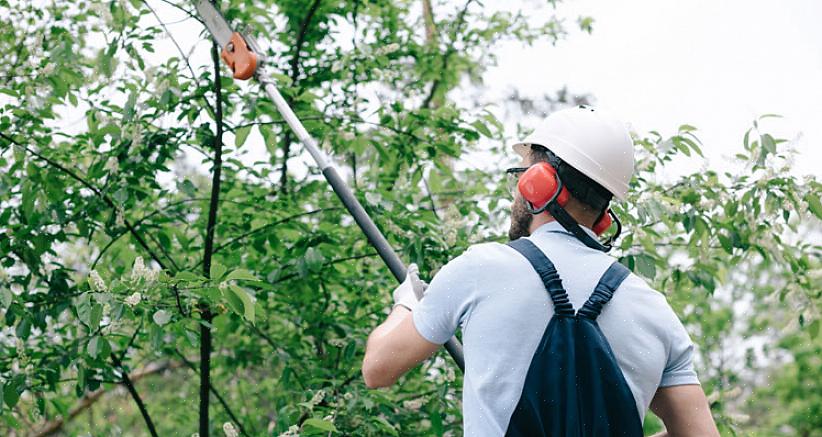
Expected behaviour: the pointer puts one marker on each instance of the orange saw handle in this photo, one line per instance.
(239, 57)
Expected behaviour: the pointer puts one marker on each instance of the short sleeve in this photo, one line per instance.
(679, 369)
(447, 300)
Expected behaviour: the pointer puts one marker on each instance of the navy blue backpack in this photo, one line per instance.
(574, 386)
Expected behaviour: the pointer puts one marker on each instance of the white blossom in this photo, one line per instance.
(138, 271)
(293, 431)
(450, 376)
(137, 135)
(348, 396)
(337, 342)
(413, 404)
(388, 48)
(134, 299)
(229, 430)
(319, 395)
(97, 283)
(161, 317)
(111, 164)
(337, 66)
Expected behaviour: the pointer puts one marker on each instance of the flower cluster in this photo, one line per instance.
(96, 282)
(229, 430)
(293, 431)
(140, 271)
(134, 299)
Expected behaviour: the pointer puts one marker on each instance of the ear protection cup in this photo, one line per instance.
(603, 223)
(538, 185)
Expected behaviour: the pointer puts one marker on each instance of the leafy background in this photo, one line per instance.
(151, 253)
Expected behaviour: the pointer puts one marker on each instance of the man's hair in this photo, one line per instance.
(583, 188)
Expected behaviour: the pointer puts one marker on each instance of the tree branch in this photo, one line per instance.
(95, 190)
(295, 73)
(205, 311)
(134, 395)
(216, 394)
(448, 53)
(89, 399)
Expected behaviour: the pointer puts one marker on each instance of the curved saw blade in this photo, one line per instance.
(215, 22)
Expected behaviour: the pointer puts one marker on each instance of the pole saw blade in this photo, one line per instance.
(236, 51)
(215, 22)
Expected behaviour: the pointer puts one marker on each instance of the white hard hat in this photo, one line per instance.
(590, 140)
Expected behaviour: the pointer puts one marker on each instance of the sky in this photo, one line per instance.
(716, 65)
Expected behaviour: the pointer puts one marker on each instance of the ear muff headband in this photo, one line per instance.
(542, 189)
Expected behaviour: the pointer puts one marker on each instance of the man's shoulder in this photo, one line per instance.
(488, 252)
(648, 304)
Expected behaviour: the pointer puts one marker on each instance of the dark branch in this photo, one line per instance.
(295, 73)
(216, 395)
(133, 392)
(448, 53)
(205, 311)
(95, 190)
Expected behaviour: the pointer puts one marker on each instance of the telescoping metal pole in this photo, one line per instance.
(242, 53)
(351, 203)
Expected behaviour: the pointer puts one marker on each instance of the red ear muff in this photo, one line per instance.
(538, 185)
(603, 223)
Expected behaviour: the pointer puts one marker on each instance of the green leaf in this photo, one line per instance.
(247, 301)
(315, 424)
(314, 259)
(814, 204)
(233, 300)
(482, 128)
(98, 347)
(645, 265)
(5, 298)
(240, 274)
(240, 135)
(95, 316)
(188, 276)
(217, 271)
(813, 328)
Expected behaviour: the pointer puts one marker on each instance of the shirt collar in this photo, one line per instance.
(554, 226)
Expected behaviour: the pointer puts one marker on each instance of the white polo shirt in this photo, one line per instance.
(499, 301)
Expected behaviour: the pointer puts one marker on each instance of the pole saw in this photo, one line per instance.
(243, 55)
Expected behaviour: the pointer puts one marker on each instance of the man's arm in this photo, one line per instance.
(685, 411)
(394, 348)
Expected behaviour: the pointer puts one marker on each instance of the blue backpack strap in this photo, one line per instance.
(547, 272)
(604, 291)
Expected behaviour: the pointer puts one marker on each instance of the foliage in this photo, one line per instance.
(104, 215)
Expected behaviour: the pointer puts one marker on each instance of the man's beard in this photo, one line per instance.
(520, 220)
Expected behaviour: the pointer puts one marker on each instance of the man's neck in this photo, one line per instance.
(543, 218)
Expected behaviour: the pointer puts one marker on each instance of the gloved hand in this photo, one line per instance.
(411, 290)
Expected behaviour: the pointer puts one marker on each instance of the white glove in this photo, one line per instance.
(411, 290)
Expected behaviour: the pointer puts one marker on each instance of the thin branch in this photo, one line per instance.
(428, 18)
(295, 72)
(448, 53)
(180, 49)
(95, 190)
(89, 399)
(216, 395)
(268, 226)
(133, 392)
(214, 203)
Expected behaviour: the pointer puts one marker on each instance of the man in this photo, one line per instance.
(494, 295)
